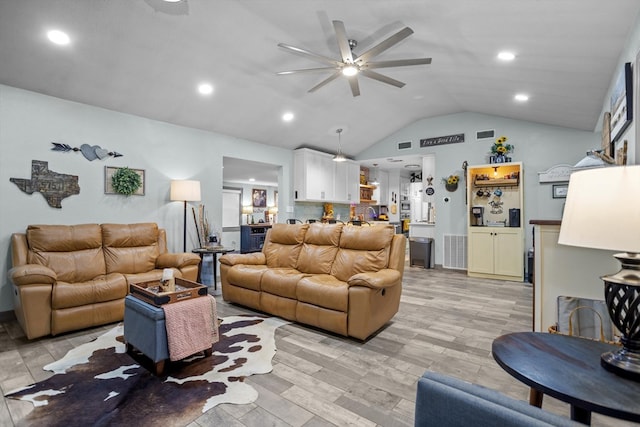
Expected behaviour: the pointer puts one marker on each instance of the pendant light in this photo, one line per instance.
(339, 157)
(374, 180)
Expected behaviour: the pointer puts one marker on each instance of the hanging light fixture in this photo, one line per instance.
(374, 180)
(339, 157)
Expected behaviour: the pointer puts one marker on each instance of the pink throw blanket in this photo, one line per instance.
(192, 326)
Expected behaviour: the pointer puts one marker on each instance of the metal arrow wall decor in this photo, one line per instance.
(90, 152)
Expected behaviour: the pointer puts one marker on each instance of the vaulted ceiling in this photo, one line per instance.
(146, 57)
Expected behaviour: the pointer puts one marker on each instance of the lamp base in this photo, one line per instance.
(624, 363)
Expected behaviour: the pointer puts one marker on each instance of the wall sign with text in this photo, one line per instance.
(442, 140)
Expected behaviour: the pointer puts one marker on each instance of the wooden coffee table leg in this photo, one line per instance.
(208, 352)
(535, 397)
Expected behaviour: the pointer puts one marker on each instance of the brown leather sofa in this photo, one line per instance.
(69, 277)
(341, 278)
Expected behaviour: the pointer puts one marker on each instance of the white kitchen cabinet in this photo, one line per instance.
(496, 252)
(314, 176)
(346, 178)
(318, 178)
(381, 193)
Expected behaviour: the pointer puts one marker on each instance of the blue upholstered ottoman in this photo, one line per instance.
(144, 329)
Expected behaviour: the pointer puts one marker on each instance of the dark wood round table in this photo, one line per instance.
(568, 368)
(214, 251)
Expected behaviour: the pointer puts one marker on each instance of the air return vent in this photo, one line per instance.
(454, 252)
(404, 145)
(485, 134)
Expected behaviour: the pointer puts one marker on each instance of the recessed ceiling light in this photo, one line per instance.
(205, 88)
(58, 37)
(521, 97)
(173, 1)
(252, 179)
(412, 166)
(287, 117)
(506, 56)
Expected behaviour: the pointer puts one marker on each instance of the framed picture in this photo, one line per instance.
(560, 191)
(108, 186)
(621, 105)
(259, 198)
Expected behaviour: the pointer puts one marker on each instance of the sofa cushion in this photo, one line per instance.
(102, 288)
(362, 249)
(281, 281)
(319, 248)
(283, 244)
(325, 291)
(130, 248)
(246, 276)
(65, 248)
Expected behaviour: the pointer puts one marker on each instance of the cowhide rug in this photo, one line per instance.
(98, 383)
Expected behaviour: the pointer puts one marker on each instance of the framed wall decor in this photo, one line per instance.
(259, 198)
(560, 191)
(109, 171)
(621, 105)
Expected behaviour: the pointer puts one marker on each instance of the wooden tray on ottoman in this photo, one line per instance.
(150, 292)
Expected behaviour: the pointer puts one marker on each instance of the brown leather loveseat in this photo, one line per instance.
(69, 277)
(344, 279)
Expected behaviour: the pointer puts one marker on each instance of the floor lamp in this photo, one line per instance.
(602, 211)
(185, 191)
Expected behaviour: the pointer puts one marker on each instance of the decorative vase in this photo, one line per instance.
(500, 158)
(451, 187)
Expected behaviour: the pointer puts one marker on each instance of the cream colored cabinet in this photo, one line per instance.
(495, 221)
(496, 252)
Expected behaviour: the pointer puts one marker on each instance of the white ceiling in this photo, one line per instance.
(145, 57)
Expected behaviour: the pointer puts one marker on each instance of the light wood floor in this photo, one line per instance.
(446, 323)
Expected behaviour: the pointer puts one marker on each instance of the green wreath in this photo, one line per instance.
(126, 181)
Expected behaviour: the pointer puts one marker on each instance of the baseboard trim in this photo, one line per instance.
(7, 316)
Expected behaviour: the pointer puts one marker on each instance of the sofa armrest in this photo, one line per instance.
(445, 401)
(177, 260)
(384, 278)
(254, 258)
(30, 274)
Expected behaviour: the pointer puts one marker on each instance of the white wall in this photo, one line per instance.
(29, 122)
(537, 146)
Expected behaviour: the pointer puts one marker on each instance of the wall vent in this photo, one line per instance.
(485, 134)
(455, 252)
(404, 145)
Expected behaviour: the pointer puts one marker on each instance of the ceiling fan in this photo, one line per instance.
(350, 65)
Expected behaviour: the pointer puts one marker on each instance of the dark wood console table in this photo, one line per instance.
(568, 368)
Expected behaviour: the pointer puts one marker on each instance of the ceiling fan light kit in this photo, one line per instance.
(350, 64)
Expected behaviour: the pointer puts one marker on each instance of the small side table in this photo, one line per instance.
(568, 368)
(214, 252)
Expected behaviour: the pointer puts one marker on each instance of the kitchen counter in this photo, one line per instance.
(422, 229)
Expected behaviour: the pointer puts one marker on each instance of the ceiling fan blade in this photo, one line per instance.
(343, 42)
(384, 45)
(308, 54)
(306, 70)
(355, 88)
(396, 63)
(382, 78)
(329, 79)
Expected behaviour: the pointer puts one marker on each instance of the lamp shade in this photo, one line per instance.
(185, 190)
(602, 210)
(247, 209)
